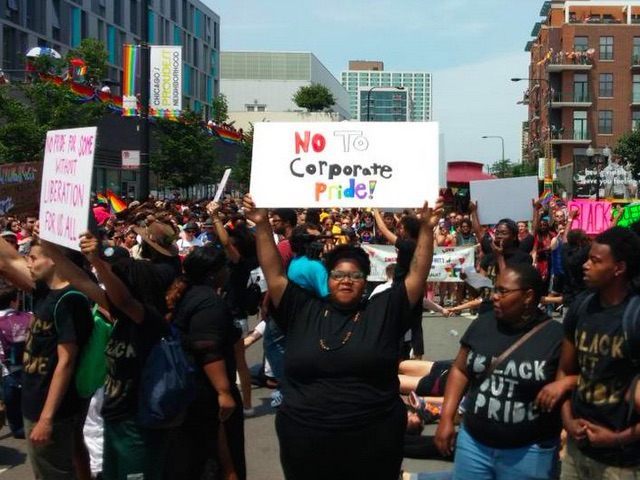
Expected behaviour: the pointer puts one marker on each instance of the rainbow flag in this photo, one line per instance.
(116, 203)
(100, 198)
(130, 64)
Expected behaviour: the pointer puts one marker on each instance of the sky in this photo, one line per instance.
(472, 48)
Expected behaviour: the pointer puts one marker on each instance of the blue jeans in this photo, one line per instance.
(12, 390)
(274, 345)
(476, 461)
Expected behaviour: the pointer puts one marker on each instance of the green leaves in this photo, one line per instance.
(314, 97)
(628, 147)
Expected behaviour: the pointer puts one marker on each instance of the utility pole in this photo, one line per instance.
(143, 122)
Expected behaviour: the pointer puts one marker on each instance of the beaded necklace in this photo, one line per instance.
(345, 339)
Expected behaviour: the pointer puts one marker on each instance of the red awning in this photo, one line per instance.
(465, 172)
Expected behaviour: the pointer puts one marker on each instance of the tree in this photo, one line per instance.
(95, 56)
(502, 168)
(220, 109)
(242, 172)
(314, 97)
(628, 147)
(185, 156)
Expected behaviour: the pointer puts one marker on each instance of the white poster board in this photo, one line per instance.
(344, 164)
(130, 159)
(66, 185)
(166, 78)
(222, 185)
(504, 198)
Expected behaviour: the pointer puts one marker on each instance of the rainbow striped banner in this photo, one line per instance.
(130, 64)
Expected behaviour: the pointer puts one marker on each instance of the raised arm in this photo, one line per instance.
(423, 255)
(117, 291)
(13, 267)
(75, 275)
(475, 220)
(268, 256)
(232, 252)
(536, 207)
(386, 233)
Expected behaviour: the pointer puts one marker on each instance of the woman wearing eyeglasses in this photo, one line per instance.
(342, 417)
(507, 357)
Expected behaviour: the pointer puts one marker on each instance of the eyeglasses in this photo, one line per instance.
(501, 292)
(340, 275)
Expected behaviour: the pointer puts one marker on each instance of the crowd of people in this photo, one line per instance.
(551, 347)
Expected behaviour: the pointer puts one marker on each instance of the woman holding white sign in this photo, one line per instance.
(342, 417)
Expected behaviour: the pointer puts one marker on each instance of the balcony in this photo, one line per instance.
(578, 137)
(571, 99)
(571, 61)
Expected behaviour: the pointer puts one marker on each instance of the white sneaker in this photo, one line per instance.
(249, 412)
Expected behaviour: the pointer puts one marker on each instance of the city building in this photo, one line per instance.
(261, 85)
(379, 95)
(62, 24)
(584, 83)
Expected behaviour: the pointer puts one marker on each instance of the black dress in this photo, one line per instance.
(342, 416)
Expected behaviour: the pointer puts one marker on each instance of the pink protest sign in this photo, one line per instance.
(66, 185)
(593, 217)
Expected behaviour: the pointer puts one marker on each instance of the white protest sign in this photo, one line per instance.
(504, 198)
(446, 266)
(344, 164)
(66, 185)
(222, 185)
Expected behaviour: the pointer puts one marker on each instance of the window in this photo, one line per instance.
(605, 122)
(133, 16)
(635, 120)
(636, 51)
(606, 48)
(580, 87)
(580, 125)
(117, 12)
(606, 85)
(636, 89)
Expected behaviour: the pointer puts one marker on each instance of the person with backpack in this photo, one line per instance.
(62, 322)
(129, 448)
(601, 345)
(213, 429)
(13, 331)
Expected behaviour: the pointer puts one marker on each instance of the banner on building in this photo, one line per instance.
(66, 185)
(20, 188)
(616, 181)
(165, 95)
(130, 74)
(447, 263)
(342, 164)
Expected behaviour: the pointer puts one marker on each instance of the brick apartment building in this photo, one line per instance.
(584, 87)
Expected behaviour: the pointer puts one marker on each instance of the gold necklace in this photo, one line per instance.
(345, 339)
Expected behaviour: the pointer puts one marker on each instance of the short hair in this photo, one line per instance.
(8, 294)
(528, 278)
(411, 226)
(576, 237)
(466, 221)
(513, 229)
(625, 247)
(349, 253)
(390, 271)
(288, 215)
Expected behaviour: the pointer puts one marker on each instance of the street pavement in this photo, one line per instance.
(441, 337)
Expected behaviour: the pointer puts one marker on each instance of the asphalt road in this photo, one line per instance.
(441, 336)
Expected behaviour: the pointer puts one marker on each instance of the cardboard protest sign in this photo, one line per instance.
(447, 263)
(20, 188)
(66, 185)
(338, 164)
(593, 217)
(222, 185)
(504, 198)
(630, 215)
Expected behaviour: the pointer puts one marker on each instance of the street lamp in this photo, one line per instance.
(501, 140)
(369, 99)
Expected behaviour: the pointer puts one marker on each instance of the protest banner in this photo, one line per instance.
(630, 215)
(447, 263)
(222, 185)
(166, 79)
(66, 185)
(337, 164)
(593, 217)
(504, 198)
(20, 188)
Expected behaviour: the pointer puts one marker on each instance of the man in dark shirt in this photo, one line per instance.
(604, 435)
(54, 413)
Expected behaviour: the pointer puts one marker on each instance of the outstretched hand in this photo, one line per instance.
(431, 216)
(213, 208)
(89, 246)
(251, 212)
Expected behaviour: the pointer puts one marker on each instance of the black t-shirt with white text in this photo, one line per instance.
(73, 324)
(348, 386)
(605, 374)
(499, 409)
